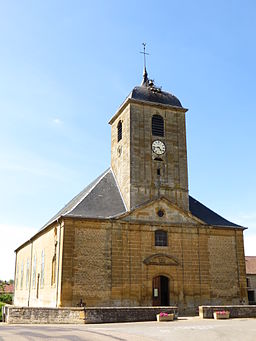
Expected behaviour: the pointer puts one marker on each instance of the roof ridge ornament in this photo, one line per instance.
(145, 80)
(149, 83)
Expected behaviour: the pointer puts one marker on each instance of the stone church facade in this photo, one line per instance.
(135, 237)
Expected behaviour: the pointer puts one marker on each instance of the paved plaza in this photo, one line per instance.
(185, 329)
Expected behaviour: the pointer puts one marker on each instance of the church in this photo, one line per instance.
(134, 236)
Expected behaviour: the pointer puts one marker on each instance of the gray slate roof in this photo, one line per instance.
(102, 199)
(145, 93)
(208, 216)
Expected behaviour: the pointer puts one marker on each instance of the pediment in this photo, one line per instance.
(172, 214)
(161, 259)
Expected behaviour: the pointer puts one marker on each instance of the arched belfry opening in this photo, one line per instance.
(119, 131)
(160, 288)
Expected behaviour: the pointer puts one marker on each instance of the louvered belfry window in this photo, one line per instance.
(157, 125)
(119, 131)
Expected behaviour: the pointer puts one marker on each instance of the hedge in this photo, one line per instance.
(6, 298)
(1, 304)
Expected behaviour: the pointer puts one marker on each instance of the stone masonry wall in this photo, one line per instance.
(106, 264)
(29, 315)
(173, 181)
(133, 162)
(86, 263)
(241, 311)
(33, 278)
(120, 154)
(25, 315)
(121, 314)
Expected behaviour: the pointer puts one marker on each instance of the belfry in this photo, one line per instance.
(150, 159)
(134, 236)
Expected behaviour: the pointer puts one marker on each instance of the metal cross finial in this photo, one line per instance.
(145, 53)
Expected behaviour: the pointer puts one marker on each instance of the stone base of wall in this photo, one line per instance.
(20, 315)
(37, 315)
(125, 314)
(235, 310)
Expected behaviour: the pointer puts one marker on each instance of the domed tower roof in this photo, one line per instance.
(147, 91)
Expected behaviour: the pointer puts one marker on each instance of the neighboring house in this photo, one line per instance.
(250, 263)
(6, 288)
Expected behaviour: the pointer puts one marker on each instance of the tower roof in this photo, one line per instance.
(147, 91)
(152, 94)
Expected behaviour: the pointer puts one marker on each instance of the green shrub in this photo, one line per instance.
(1, 304)
(6, 298)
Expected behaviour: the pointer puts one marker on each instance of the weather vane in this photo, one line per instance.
(145, 53)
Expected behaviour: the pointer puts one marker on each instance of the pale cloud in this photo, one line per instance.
(248, 218)
(21, 161)
(12, 236)
(250, 244)
(57, 121)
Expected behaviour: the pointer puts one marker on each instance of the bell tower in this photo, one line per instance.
(148, 147)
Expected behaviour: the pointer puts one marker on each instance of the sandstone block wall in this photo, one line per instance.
(104, 264)
(109, 262)
(33, 278)
(120, 154)
(132, 158)
(173, 181)
(86, 263)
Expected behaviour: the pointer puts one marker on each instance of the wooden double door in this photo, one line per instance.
(160, 291)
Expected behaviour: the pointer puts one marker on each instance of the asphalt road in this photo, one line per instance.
(185, 329)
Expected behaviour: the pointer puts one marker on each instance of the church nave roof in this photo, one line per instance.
(102, 199)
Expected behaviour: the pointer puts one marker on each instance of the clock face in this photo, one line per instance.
(158, 147)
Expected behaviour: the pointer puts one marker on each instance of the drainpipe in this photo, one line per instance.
(58, 269)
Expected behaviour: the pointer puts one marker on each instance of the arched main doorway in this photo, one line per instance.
(160, 288)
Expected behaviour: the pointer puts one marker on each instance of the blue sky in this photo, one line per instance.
(66, 66)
